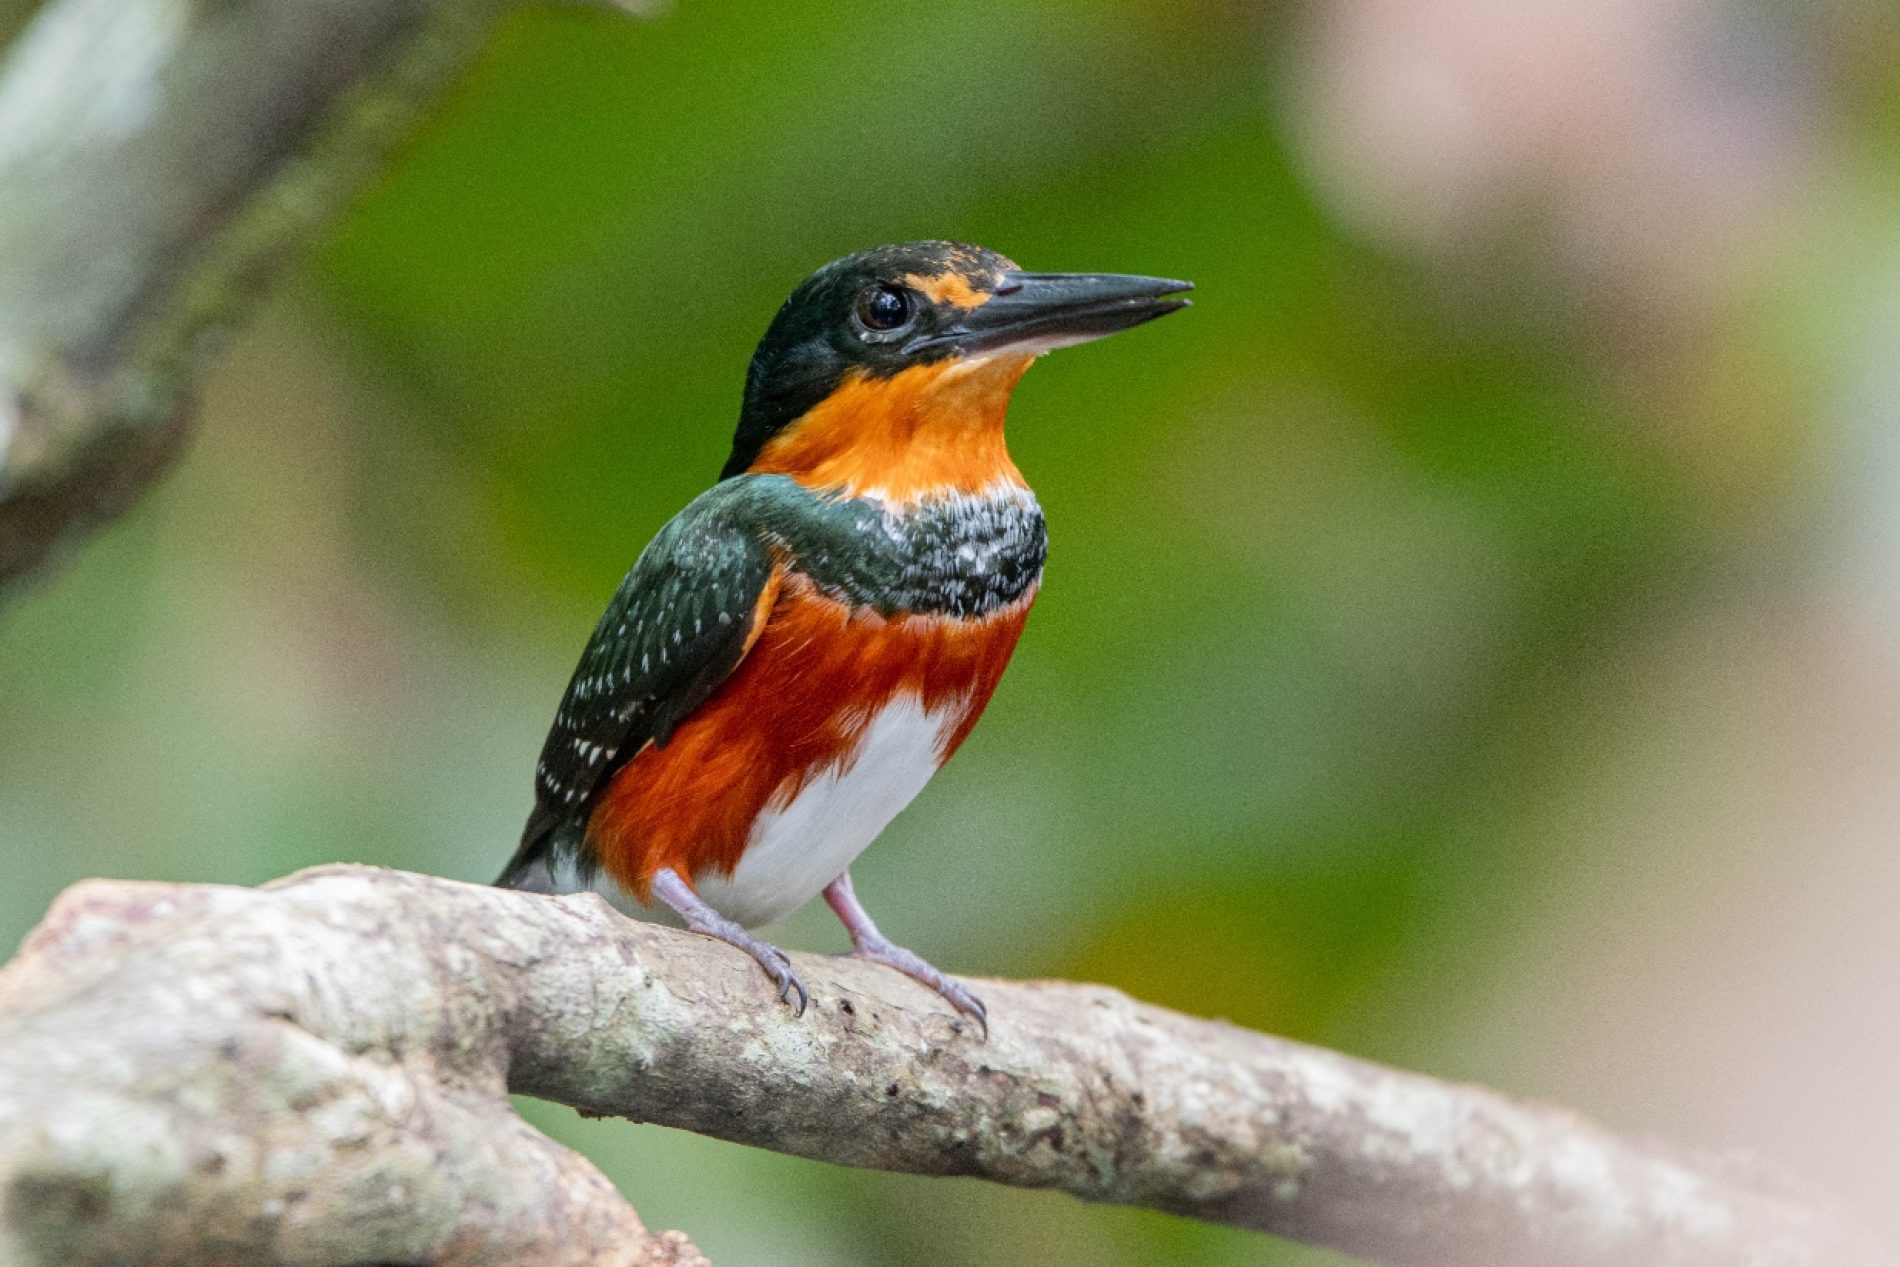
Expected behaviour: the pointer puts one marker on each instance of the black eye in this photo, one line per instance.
(883, 308)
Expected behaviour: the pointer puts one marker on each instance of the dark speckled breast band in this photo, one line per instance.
(960, 555)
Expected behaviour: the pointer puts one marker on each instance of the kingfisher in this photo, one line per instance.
(800, 649)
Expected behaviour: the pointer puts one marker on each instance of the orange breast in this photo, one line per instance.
(792, 711)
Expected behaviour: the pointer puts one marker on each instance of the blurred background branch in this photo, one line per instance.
(159, 161)
(314, 1072)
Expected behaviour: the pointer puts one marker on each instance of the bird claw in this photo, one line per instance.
(964, 1001)
(912, 965)
(777, 964)
(788, 985)
(704, 920)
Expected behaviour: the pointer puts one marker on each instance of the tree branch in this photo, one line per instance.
(320, 1066)
(160, 160)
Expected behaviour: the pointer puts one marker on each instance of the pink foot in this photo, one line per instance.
(701, 918)
(870, 945)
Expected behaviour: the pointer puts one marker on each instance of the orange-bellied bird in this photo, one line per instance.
(800, 649)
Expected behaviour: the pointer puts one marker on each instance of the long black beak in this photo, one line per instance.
(1034, 312)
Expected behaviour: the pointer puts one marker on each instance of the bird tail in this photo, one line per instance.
(545, 862)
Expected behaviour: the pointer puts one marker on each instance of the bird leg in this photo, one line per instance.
(701, 918)
(867, 943)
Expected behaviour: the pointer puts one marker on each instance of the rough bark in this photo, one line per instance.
(160, 160)
(315, 1072)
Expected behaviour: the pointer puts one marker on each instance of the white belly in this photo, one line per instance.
(797, 849)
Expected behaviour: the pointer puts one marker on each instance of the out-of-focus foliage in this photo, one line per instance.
(1535, 358)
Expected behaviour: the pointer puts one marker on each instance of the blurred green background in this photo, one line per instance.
(1469, 633)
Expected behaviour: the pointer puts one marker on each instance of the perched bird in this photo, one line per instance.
(800, 649)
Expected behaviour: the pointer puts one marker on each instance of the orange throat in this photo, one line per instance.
(926, 430)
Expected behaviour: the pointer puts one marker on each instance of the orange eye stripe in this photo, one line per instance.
(948, 288)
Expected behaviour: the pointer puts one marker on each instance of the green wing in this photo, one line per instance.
(677, 627)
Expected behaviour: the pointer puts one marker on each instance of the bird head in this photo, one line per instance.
(888, 372)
